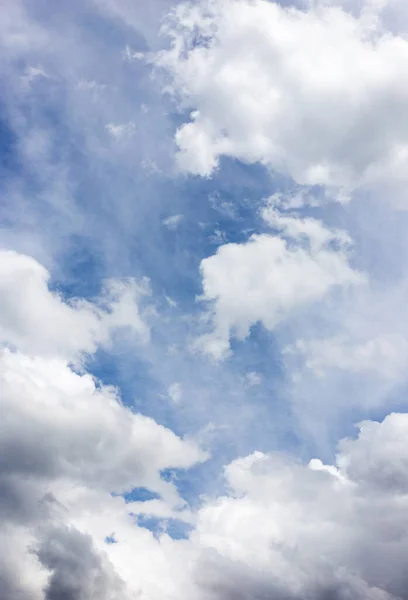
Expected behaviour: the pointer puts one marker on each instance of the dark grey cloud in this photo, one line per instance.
(77, 571)
(21, 500)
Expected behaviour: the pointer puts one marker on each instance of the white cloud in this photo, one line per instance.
(67, 442)
(309, 230)
(129, 54)
(121, 130)
(378, 459)
(253, 378)
(282, 529)
(290, 531)
(384, 355)
(39, 321)
(73, 428)
(173, 221)
(269, 279)
(317, 94)
(32, 73)
(175, 392)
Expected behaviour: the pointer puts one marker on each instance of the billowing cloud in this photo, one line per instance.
(77, 571)
(315, 94)
(270, 278)
(66, 441)
(72, 427)
(291, 531)
(39, 321)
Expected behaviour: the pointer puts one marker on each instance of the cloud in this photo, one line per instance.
(378, 458)
(66, 444)
(41, 322)
(175, 392)
(290, 531)
(76, 570)
(314, 94)
(173, 221)
(269, 279)
(70, 184)
(252, 379)
(73, 428)
(384, 355)
(66, 441)
(282, 529)
(122, 130)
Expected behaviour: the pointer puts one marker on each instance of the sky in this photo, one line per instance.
(203, 314)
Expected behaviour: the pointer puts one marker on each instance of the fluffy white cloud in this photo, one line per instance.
(67, 442)
(317, 94)
(290, 531)
(269, 278)
(282, 530)
(72, 428)
(39, 321)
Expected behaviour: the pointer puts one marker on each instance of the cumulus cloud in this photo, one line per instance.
(291, 531)
(282, 529)
(272, 277)
(39, 321)
(66, 444)
(77, 571)
(74, 428)
(315, 94)
(66, 441)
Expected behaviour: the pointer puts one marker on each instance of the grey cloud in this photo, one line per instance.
(21, 500)
(78, 572)
(9, 585)
(227, 580)
(222, 579)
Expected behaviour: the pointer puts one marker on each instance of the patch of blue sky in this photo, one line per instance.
(139, 494)
(174, 528)
(212, 394)
(118, 208)
(110, 539)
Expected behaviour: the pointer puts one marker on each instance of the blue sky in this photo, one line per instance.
(203, 280)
